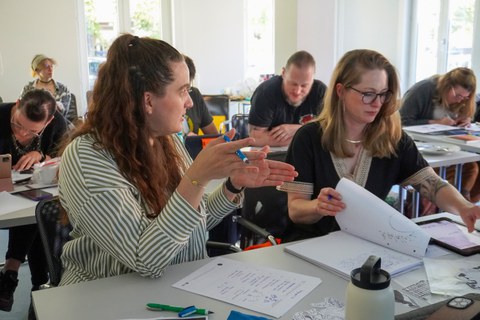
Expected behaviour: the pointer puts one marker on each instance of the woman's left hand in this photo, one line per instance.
(470, 216)
(261, 172)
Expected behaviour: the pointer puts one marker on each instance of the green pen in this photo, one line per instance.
(166, 307)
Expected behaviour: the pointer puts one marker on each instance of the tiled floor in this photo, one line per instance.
(22, 294)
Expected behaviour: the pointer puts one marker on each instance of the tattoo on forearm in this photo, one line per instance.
(427, 183)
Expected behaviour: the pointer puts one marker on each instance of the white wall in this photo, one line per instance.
(317, 34)
(211, 33)
(328, 29)
(29, 27)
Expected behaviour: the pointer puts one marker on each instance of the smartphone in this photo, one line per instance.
(452, 235)
(5, 166)
(36, 195)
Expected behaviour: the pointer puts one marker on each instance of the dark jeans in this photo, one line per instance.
(25, 241)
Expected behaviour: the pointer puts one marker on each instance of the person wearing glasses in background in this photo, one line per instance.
(447, 99)
(282, 104)
(42, 68)
(30, 131)
(358, 135)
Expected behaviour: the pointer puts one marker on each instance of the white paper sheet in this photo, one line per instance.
(428, 128)
(10, 203)
(261, 289)
(371, 218)
(454, 276)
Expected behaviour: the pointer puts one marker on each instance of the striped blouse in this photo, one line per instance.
(111, 232)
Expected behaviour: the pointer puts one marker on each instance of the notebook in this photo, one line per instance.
(369, 226)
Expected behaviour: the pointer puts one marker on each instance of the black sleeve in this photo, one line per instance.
(300, 154)
(417, 106)
(262, 110)
(412, 160)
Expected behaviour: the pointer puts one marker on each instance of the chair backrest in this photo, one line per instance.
(239, 122)
(72, 114)
(267, 208)
(54, 233)
(195, 144)
(217, 104)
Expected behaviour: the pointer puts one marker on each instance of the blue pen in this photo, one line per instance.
(239, 153)
(187, 311)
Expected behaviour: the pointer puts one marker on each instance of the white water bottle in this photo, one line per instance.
(369, 294)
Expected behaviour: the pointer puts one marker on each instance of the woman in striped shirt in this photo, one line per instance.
(135, 199)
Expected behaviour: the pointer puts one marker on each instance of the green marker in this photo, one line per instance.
(166, 307)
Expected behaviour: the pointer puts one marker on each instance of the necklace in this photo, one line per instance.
(354, 141)
(33, 145)
(45, 81)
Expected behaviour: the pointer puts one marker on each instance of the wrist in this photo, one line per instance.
(231, 187)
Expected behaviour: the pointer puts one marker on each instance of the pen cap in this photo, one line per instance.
(369, 294)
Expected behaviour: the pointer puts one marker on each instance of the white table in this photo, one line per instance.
(23, 216)
(125, 296)
(473, 147)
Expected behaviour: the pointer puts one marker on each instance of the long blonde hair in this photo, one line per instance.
(463, 77)
(382, 135)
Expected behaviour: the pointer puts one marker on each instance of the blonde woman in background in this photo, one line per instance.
(447, 99)
(42, 69)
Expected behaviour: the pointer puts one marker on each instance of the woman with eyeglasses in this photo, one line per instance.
(447, 99)
(358, 136)
(30, 130)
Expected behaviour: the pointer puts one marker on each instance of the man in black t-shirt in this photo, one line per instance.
(284, 103)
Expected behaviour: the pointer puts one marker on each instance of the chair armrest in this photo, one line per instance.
(223, 246)
(255, 229)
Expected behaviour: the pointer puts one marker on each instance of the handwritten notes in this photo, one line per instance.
(261, 289)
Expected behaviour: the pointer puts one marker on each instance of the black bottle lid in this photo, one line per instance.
(370, 276)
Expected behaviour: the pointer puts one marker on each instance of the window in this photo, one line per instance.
(105, 20)
(259, 39)
(444, 34)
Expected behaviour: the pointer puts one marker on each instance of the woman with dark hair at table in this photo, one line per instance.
(30, 130)
(358, 136)
(135, 199)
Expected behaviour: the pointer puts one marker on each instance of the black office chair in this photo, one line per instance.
(217, 104)
(239, 122)
(54, 233)
(72, 114)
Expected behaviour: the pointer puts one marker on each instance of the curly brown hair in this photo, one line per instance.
(117, 118)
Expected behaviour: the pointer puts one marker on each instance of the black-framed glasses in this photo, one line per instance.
(369, 97)
(19, 127)
(459, 97)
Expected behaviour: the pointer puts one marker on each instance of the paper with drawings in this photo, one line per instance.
(371, 218)
(261, 289)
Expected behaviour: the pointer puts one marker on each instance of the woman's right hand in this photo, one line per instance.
(329, 202)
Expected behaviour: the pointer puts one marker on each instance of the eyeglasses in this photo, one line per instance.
(19, 127)
(459, 97)
(369, 97)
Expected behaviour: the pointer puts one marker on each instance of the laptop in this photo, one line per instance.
(195, 144)
(6, 183)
